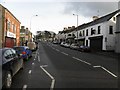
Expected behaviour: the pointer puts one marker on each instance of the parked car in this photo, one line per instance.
(67, 45)
(84, 48)
(74, 46)
(55, 42)
(24, 50)
(62, 44)
(32, 46)
(11, 64)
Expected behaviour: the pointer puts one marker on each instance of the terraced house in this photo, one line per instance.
(10, 29)
(99, 34)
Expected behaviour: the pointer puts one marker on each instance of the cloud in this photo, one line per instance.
(89, 9)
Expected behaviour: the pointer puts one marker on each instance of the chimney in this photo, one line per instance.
(95, 17)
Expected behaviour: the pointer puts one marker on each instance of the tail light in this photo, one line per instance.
(23, 52)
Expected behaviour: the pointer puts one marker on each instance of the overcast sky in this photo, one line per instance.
(55, 15)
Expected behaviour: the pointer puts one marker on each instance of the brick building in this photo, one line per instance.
(10, 28)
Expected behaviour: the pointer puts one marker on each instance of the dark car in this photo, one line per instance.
(84, 48)
(11, 63)
(24, 50)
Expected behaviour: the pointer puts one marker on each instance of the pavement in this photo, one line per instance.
(108, 54)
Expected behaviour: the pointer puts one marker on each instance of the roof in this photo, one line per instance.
(11, 13)
(3, 49)
(99, 20)
(22, 46)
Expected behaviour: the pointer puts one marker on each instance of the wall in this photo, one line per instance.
(117, 41)
(1, 26)
(14, 21)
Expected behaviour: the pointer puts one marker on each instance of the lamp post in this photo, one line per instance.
(77, 26)
(31, 20)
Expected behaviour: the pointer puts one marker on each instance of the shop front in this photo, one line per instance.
(10, 40)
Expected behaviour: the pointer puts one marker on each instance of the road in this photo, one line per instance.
(53, 66)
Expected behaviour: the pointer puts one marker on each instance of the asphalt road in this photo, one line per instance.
(53, 66)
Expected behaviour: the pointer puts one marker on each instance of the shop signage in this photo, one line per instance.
(10, 34)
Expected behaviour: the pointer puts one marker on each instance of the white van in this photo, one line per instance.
(32, 46)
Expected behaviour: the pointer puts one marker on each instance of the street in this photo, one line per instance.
(53, 66)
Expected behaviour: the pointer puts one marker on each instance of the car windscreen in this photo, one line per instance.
(19, 49)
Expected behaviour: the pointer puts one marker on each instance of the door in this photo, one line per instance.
(10, 42)
(96, 43)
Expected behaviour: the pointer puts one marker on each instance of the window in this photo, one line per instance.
(80, 34)
(87, 32)
(8, 25)
(8, 54)
(13, 52)
(13, 27)
(92, 31)
(113, 18)
(83, 33)
(99, 29)
(110, 29)
(86, 42)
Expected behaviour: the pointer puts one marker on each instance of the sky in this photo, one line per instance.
(55, 15)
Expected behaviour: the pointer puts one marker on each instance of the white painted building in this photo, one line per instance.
(100, 33)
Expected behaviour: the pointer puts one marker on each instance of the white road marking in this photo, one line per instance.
(34, 59)
(30, 71)
(96, 66)
(53, 80)
(36, 54)
(39, 58)
(57, 50)
(81, 60)
(64, 53)
(44, 66)
(33, 63)
(106, 70)
(52, 47)
(24, 87)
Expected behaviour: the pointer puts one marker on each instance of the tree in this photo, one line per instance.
(47, 34)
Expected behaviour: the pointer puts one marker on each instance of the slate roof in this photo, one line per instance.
(99, 20)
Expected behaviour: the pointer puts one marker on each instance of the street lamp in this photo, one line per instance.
(77, 25)
(31, 20)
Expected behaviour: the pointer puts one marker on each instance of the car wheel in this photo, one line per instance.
(82, 50)
(8, 80)
(31, 55)
(27, 57)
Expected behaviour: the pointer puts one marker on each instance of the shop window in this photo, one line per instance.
(86, 42)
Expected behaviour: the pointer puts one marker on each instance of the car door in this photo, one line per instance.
(17, 60)
(12, 61)
(9, 61)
